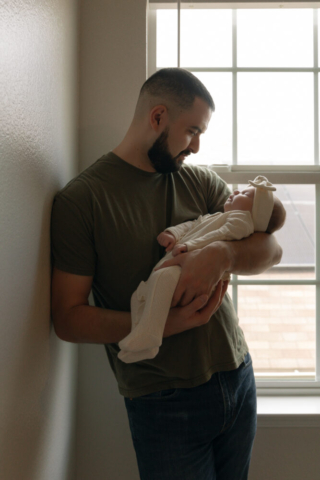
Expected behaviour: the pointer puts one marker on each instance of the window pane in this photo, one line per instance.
(216, 143)
(279, 326)
(275, 118)
(275, 38)
(206, 38)
(167, 38)
(296, 237)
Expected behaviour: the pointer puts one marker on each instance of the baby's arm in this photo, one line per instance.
(171, 235)
(180, 230)
(238, 225)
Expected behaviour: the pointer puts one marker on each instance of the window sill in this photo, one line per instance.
(277, 174)
(298, 411)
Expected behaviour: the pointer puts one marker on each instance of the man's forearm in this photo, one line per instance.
(88, 324)
(253, 255)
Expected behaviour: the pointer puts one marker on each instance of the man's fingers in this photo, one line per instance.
(198, 312)
(217, 294)
(177, 298)
(186, 298)
(182, 299)
(198, 303)
(217, 298)
(214, 301)
(224, 288)
(222, 294)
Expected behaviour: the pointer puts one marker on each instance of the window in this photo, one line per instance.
(261, 66)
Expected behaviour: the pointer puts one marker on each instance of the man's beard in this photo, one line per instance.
(161, 158)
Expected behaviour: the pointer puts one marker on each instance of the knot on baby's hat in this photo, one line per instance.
(262, 182)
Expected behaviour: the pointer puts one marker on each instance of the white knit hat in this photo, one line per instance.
(262, 203)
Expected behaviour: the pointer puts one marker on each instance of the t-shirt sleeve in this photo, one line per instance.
(72, 244)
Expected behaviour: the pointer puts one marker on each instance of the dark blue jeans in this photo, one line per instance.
(201, 433)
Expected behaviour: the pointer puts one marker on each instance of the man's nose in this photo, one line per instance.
(236, 192)
(194, 145)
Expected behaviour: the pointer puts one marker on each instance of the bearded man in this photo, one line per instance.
(192, 408)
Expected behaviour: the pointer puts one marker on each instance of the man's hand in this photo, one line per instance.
(166, 239)
(201, 271)
(195, 314)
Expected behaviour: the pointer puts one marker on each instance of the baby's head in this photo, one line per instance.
(267, 211)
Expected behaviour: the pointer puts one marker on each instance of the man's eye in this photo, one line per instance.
(192, 133)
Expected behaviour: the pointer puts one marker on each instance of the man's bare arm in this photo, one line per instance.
(202, 269)
(253, 255)
(76, 321)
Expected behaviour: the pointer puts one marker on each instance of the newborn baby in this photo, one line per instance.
(254, 209)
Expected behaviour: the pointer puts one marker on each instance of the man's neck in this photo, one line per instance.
(134, 155)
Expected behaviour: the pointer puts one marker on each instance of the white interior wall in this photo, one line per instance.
(289, 453)
(112, 64)
(38, 156)
(112, 69)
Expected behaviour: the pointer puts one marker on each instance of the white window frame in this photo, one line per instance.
(238, 174)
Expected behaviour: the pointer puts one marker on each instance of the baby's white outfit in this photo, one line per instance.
(150, 303)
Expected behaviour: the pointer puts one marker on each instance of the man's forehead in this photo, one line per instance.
(198, 117)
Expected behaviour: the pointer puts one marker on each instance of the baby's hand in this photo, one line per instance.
(179, 249)
(166, 239)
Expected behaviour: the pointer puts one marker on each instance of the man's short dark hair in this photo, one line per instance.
(179, 86)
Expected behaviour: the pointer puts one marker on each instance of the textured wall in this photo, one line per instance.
(112, 69)
(112, 48)
(37, 146)
(286, 454)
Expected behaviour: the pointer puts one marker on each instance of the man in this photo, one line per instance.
(192, 409)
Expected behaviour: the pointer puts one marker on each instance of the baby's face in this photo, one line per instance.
(240, 200)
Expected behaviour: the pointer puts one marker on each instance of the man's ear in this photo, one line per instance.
(158, 118)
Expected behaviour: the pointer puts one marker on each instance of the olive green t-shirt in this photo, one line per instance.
(105, 223)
